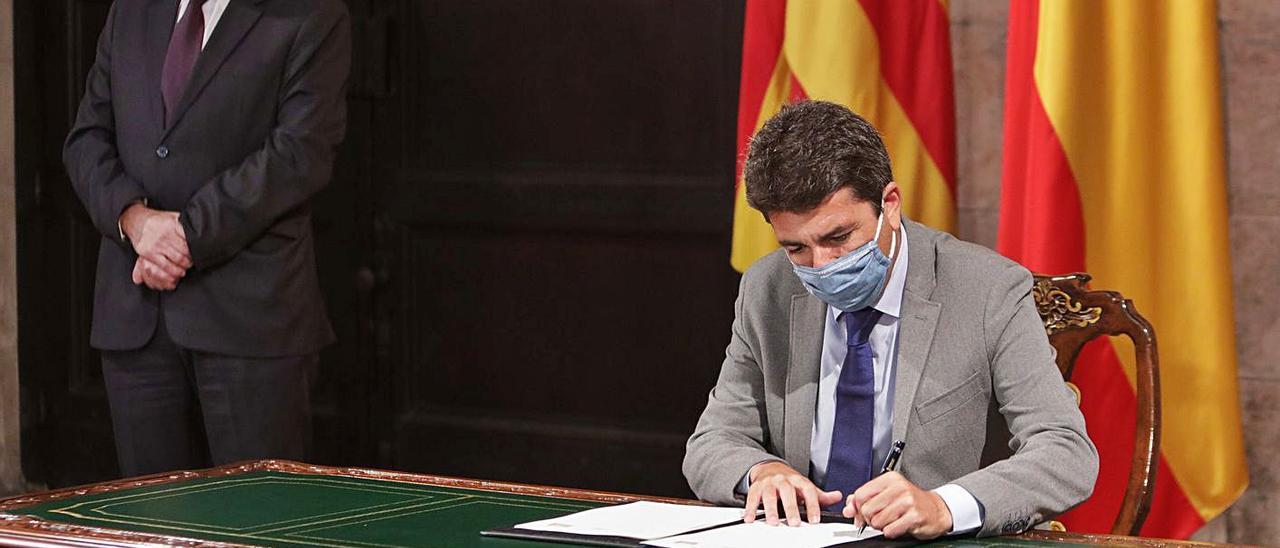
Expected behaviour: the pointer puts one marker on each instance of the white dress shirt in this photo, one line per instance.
(212, 13)
(966, 514)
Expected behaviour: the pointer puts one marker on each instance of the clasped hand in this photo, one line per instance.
(161, 245)
(888, 502)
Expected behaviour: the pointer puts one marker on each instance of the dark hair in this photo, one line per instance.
(809, 150)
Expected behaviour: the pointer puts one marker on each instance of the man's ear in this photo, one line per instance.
(892, 197)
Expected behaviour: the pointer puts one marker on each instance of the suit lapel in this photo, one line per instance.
(800, 403)
(161, 17)
(917, 325)
(239, 17)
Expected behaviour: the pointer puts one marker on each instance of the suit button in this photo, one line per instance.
(162, 152)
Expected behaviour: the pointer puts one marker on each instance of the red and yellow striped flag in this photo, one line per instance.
(1114, 166)
(889, 61)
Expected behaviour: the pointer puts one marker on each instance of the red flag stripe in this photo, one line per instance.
(761, 49)
(1172, 515)
(915, 60)
(1041, 221)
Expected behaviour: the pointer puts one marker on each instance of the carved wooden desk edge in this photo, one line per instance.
(1101, 539)
(20, 530)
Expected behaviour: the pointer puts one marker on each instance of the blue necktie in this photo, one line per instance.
(850, 461)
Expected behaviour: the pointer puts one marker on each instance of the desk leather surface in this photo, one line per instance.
(276, 503)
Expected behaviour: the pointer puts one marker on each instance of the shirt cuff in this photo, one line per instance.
(119, 225)
(966, 511)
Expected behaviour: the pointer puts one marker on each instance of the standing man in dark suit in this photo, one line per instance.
(205, 129)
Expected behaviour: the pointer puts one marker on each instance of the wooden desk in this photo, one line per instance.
(282, 503)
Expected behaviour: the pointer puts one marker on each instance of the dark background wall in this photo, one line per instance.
(524, 248)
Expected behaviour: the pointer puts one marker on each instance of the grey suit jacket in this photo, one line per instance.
(978, 398)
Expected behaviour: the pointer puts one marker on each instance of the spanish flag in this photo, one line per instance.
(889, 61)
(1114, 166)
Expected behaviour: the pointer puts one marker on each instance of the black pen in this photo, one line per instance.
(890, 463)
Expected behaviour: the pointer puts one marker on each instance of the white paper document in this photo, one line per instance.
(641, 520)
(762, 535)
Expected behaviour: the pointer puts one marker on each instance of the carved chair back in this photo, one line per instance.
(1074, 315)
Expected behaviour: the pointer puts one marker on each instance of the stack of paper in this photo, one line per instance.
(762, 535)
(640, 520)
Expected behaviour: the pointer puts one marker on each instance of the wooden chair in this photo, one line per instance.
(1074, 315)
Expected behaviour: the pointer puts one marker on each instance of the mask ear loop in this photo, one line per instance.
(893, 247)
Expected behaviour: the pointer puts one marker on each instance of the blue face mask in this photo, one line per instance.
(853, 281)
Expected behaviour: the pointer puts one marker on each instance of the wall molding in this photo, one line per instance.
(10, 416)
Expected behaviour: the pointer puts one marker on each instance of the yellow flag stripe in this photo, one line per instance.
(1148, 158)
(752, 236)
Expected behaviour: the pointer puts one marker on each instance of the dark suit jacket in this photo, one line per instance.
(251, 141)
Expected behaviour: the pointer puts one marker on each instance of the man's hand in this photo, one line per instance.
(161, 244)
(897, 507)
(774, 482)
(156, 278)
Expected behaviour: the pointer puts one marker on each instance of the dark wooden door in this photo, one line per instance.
(554, 196)
(524, 249)
(66, 431)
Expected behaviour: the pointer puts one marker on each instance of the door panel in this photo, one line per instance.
(556, 195)
(66, 433)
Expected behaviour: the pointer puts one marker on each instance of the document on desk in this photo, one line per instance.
(642, 520)
(763, 535)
